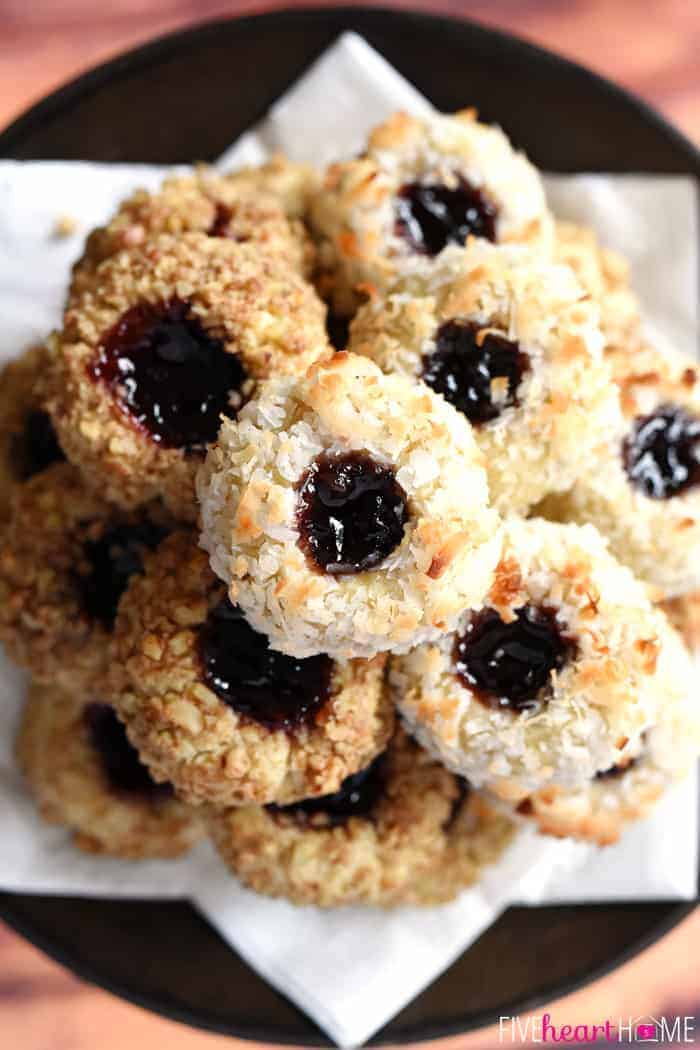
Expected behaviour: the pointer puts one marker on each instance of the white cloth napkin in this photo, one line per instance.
(385, 959)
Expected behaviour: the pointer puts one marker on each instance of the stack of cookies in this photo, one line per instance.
(349, 520)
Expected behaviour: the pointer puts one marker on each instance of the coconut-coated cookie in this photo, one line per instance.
(643, 488)
(514, 344)
(65, 558)
(84, 774)
(422, 184)
(204, 202)
(554, 680)
(348, 511)
(401, 831)
(28, 443)
(604, 274)
(601, 810)
(168, 337)
(213, 709)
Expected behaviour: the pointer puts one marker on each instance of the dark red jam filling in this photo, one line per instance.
(37, 447)
(122, 766)
(351, 513)
(169, 374)
(221, 221)
(277, 691)
(662, 453)
(112, 560)
(509, 665)
(617, 771)
(357, 797)
(338, 329)
(466, 368)
(430, 216)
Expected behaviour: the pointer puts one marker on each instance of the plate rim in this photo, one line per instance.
(135, 58)
(62, 98)
(413, 1034)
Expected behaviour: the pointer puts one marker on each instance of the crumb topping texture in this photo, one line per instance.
(421, 842)
(218, 751)
(69, 779)
(110, 383)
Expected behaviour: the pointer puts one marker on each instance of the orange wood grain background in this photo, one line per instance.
(650, 46)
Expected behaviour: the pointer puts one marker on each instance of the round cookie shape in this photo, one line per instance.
(65, 560)
(167, 338)
(604, 274)
(84, 775)
(643, 489)
(28, 442)
(553, 681)
(600, 810)
(421, 185)
(214, 710)
(514, 344)
(404, 831)
(347, 511)
(242, 209)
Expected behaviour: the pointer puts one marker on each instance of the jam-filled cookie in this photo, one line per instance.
(421, 185)
(348, 511)
(28, 442)
(643, 488)
(85, 775)
(512, 342)
(600, 810)
(554, 679)
(169, 337)
(204, 202)
(401, 831)
(604, 274)
(66, 557)
(212, 708)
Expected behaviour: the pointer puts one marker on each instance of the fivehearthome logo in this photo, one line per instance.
(632, 1031)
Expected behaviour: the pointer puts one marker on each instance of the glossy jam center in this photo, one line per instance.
(509, 665)
(662, 453)
(479, 373)
(357, 797)
(430, 216)
(169, 375)
(351, 513)
(277, 691)
(37, 447)
(111, 561)
(120, 760)
(338, 329)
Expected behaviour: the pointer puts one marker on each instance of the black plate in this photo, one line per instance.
(187, 97)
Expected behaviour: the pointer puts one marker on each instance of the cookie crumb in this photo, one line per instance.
(64, 226)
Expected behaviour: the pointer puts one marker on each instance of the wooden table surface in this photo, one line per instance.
(650, 46)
